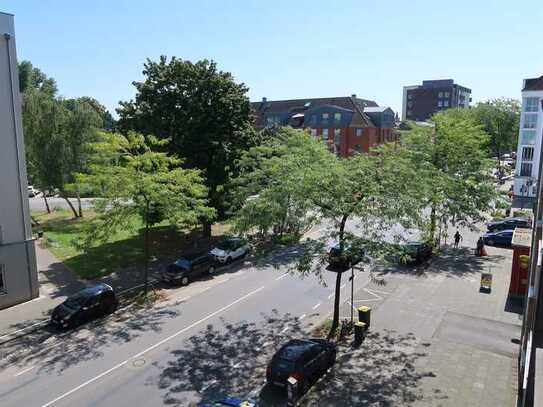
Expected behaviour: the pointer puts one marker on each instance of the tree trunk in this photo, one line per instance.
(433, 223)
(206, 229)
(46, 203)
(146, 254)
(79, 208)
(76, 215)
(335, 320)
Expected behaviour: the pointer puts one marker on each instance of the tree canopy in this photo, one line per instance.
(201, 109)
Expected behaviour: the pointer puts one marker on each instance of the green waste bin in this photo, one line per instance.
(359, 329)
(364, 315)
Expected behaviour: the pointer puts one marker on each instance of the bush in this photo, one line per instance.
(522, 214)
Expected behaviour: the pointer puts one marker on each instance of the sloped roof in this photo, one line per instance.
(300, 105)
(375, 109)
(533, 84)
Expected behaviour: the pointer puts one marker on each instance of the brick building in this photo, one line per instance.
(420, 102)
(347, 123)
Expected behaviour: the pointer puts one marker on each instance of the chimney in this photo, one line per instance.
(353, 95)
(264, 100)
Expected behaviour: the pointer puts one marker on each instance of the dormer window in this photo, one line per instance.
(325, 117)
(337, 117)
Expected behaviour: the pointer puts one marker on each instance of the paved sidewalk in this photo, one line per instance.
(435, 340)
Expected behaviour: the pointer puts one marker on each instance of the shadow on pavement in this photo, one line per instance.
(55, 351)
(382, 372)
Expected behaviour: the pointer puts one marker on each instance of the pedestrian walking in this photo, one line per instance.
(480, 246)
(457, 238)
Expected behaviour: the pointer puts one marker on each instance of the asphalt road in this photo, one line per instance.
(38, 204)
(205, 341)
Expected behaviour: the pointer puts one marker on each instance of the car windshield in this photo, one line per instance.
(75, 301)
(293, 350)
(183, 263)
(228, 244)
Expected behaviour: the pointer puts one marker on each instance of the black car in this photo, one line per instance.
(508, 224)
(501, 238)
(304, 359)
(415, 252)
(348, 257)
(87, 304)
(187, 268)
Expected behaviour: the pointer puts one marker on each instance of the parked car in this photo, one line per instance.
(349, 256)
(304, 359)
(87, 304)
(32, 192)
(415, 252)
(230, 249)
(500, 238)
(229, 401)
(188, 268)
(508, 224)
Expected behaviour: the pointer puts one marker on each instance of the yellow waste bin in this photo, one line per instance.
(364, 315)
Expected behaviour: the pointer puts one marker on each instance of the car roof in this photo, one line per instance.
(193, 256)
(94, 290)
(294, 348)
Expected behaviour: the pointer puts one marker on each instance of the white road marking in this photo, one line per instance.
(343, 285)
(372, 293)
(380, 291)
(24, 371)
(237, 365)
(285, 329)
(316, 305)
(163, 341)
(302, 317)
(211, 383)
(25, 328)
(281, 276)
(330, 296)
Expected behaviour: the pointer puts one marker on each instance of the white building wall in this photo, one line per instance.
(17, 256)
(524, 185)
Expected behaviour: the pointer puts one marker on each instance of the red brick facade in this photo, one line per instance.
(351, 143)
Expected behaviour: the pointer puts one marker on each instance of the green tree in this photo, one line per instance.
(451, 164)
(31, 78)
(134, 180)
(500, 120)
(204, 113)
(378, 191)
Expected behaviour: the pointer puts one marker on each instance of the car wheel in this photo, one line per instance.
(184, 281)
(211, 270)
(490, 242)
(111, 308)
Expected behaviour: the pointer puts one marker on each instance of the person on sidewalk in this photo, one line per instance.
(480, 247)
(457, 238)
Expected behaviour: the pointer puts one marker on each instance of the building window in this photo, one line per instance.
(526, 169)
(445, 103)
(409, 96)
(358, 148)
(3, 289)
(313, 119)
(337, 136)
(530, 121)
(325, 134)
(527, 153)
(359, 132)
(410, 104)
(446, 94)
(337, 117)
(439, 104)
(409, 113)
(325, 117)
(531, 104)
(314, 132)
(440, 94)
(273, 120)
(527, 137)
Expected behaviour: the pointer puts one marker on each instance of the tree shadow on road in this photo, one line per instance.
(228, 359)
(54, 351)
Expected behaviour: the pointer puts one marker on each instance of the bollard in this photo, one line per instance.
(364, 315)
(292, 391)
(359, 329)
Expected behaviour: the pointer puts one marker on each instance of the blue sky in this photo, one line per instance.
(287, 49)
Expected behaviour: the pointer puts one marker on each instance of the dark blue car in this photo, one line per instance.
(501, 238)
(229, 402)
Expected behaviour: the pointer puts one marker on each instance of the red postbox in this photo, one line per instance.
(521, 243)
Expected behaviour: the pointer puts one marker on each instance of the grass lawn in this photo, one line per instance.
(123, 249)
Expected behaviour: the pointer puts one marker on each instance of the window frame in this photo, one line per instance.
(359, 132)
(527, 157)
(527, 107)
(325, 135)
(523, 166)
(533, 123)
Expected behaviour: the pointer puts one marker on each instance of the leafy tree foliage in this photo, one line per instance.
(134, 180)
(202, 110)
(31, 78)
(500, 120)
(378, 190)
(451, 163)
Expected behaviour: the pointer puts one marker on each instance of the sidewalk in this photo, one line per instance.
(435, 340)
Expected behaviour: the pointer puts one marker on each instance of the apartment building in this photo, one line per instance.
(347, 124)
(529, 143)
(420, 102)
(18, 274)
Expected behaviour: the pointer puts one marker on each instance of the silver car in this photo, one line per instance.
(230, 249)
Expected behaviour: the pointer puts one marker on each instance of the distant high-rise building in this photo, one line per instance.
(420, 102)
(18, 275)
